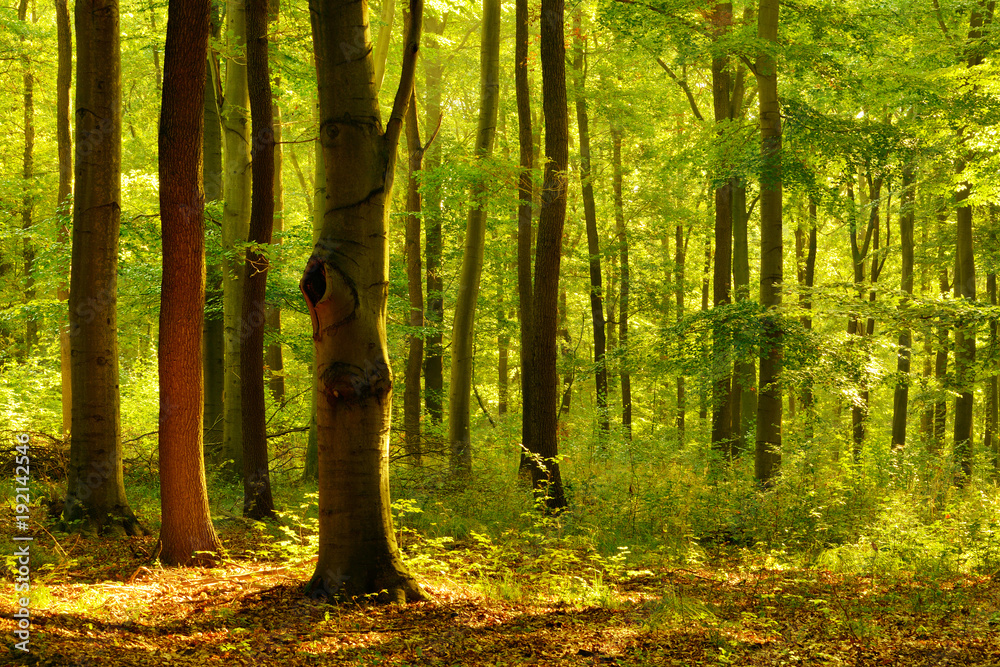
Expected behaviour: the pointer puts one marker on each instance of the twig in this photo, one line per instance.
(54, 540)
(476, 392)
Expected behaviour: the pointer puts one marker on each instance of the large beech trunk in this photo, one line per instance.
(95, 483)
(187, 523)
(345, 285)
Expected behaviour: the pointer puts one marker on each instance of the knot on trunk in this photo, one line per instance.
(345, 383)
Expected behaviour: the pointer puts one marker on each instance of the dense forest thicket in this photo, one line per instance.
(612, 283)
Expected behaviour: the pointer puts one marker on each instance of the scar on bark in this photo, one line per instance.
(315, 285)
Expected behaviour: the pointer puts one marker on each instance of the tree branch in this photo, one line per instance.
(684, 86)
(411, 46)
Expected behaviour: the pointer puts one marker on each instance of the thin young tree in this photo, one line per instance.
(257, 500)
(541, 435)
(414, 282)
(187, 524)
(593, 237)
(64, 79)
(463, 330)
(235, 224)
(769, 408)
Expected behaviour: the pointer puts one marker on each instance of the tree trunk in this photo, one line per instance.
(157, 73)
(542, 437)
(235, 227)
(900, 399)
(965, 329)
(463, 331)
(593, 242)
(187, 523)
(95, 483)
(433, 364)
(623, 294)
(941, 358)
(768, 450)
(257, 500)
(274, 360)
(706, 287)
(679, 255)
(387, 13)
(565, 354)
(745, 369)
(414, 279)
(991, 434)
(722, 406)
(214, 338)
(311, 467)
(64, 79)
(525, 195)
(809, 279)
(345, 285)
(28, 174)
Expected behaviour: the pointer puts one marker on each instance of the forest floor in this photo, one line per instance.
(108, 604)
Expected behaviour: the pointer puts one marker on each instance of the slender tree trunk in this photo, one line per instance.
(565, 354)
(679, 255)
(28, 174)
(274, 360)
(257, 500)
(706, 287)
(745, 368)
(311, 467)
(214, 338)
(387, 13)
(722, 406)
(345, 285)
(187, 523)
(965, 329)
(901, 396)
(414, 279)
(64, 79)
(941, 358)
(927, 415)
(623, 294)
(463, 331)
(809, 279)
(593, 242)
(991, 432)
(433, 363)
(525, 194)
(768, 451)
(157, 71)
(542, 442)
(235, 226)
(95, 482)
